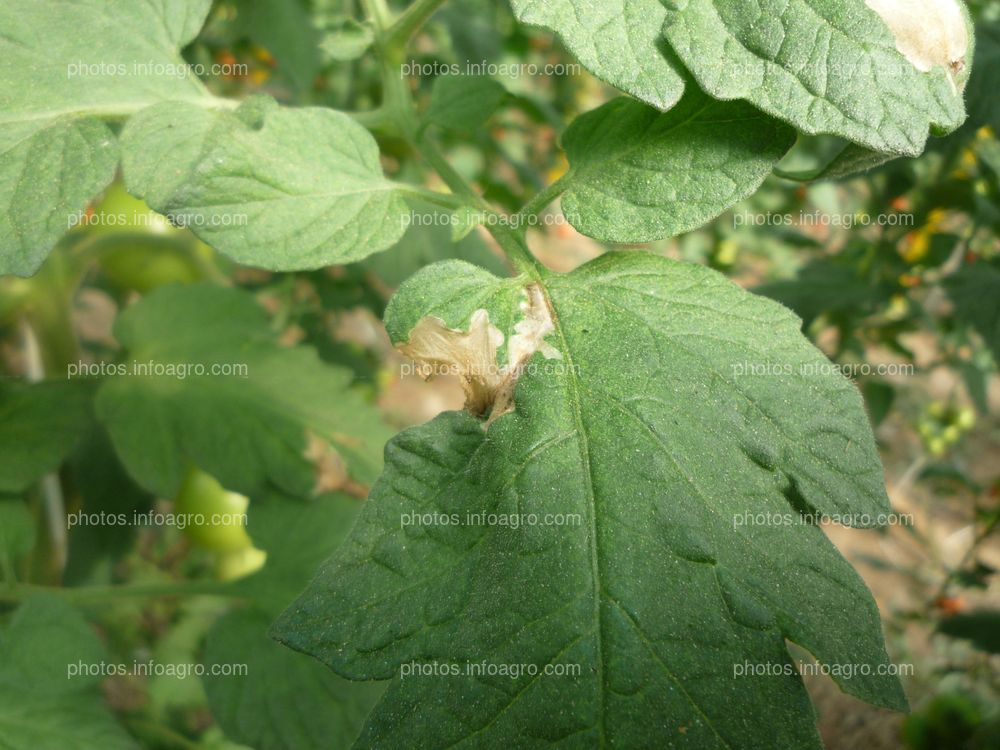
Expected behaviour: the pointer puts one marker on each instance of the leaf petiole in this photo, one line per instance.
(86, 594)
(410, 21)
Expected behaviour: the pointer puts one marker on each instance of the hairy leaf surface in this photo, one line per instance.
(269, 186)
(663, 581)
(618, 41)
(823, 67)
(640, 175)
(62, 66)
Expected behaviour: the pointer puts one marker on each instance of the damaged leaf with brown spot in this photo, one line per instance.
(652, 446)
(487, 360)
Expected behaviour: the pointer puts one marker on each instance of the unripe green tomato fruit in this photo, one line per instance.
(213, 516)
(230, 566)
(143, 261)
(966, 418)
(120, 212)
(937, 446)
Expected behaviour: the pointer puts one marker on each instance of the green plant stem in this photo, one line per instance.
(952, 574)
(537, 204)
(410, 21)
(85, 594)
(397, 104)
(508, 234)
(374, 119)
(458, 184)
(378, 13)
(445, 200)
(514, 244)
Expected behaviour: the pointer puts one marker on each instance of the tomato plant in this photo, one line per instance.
(239, 236)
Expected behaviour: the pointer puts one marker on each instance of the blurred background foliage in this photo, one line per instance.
(897, 268)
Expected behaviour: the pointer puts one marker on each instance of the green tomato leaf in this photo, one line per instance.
(975, 292)
(824, 287)
(626, 577)
(619, 41)
(285, 30)
(274, 415)
(823, 67)
(47, 702)
(48, 175)
(981, 627)
(62, 65)
(17, 534)
(639, 175)
(286, 701)
(104, 487)
(39, 426)
(345, 39)
(282, 189)
(463, 103)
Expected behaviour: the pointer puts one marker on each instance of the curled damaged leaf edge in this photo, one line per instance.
(471, 354)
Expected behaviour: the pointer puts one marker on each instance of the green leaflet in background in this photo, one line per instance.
(39, 426)
(283, 27)
(345, 39)
(975, 292)
(43, 706)
(463, 102)
(278, 188)
(63, 66)
(652, 432)
(17, 535)
(281, 421)
(287, 700)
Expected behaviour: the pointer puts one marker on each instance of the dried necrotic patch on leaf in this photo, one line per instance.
(928, 33)
(328, 465)
(472, 355)
(531, 330)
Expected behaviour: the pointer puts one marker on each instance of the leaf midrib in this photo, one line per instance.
(575, 388)
(585, 460)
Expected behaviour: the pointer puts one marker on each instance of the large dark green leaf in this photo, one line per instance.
(638, 418)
